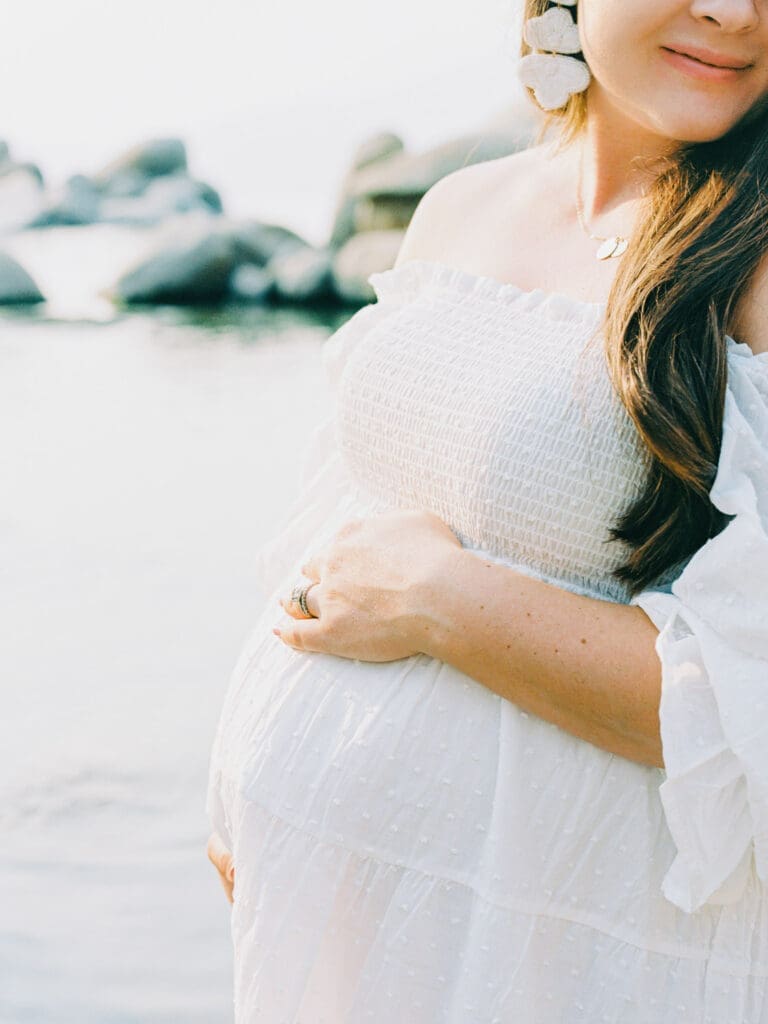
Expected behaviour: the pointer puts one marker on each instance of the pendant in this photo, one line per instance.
(612, 248)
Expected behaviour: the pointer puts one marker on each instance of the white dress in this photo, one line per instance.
(409, 846)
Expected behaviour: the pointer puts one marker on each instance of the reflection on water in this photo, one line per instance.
(142, 461)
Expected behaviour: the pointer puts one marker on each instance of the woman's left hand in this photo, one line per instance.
(374, 588)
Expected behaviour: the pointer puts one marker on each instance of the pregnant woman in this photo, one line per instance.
(506, 759)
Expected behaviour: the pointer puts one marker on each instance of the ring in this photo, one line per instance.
(299, 596)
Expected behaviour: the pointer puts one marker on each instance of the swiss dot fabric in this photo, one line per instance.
(408, 845)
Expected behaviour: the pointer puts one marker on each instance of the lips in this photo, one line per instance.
(710, 57)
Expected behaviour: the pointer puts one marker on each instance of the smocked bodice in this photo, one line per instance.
(491, 407)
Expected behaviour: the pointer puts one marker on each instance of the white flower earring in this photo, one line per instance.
(553, 76)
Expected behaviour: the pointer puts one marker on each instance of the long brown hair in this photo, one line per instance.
(701, 240)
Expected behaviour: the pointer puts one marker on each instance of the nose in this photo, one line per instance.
(732, 16)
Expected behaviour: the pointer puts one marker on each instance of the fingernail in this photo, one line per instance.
(276, 631)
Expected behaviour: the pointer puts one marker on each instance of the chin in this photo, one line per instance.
(697, 129)
(702, 133)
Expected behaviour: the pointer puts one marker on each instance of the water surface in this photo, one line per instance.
(142, 461)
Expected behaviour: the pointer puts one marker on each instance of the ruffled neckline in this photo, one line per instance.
(413, 274)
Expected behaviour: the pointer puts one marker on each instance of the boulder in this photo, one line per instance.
(363, 254)
(189, 274)
(21, 199)
(378, 147)
(410, 175)
(162, 197)
(13, 167)
(16, 286)
(303, 274)
(126, 184)
(78, 203)
(383, 194)
(259, 242)
(383, 213)
(249, 283)
(152, 159)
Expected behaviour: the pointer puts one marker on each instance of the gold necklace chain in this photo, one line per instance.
(612, 246)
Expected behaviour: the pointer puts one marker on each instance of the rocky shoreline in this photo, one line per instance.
(197, 255)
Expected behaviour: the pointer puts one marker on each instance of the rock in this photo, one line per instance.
(409, 175)
(21, 199)
(303, 275)
(163, 197)
(383, 213)
(249, 283)
(259, 242)
(377, 147)
(184, 275)
(127, 184)
(363, 254)
(12, 167)
(16, 286)
(383, 195)
(78, 204)
(152, 159)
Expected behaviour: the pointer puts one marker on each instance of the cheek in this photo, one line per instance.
(620, 41)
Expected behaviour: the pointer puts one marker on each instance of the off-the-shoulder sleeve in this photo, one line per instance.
(713, 647)
(325, 487)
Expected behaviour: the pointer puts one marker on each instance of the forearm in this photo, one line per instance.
(589, 666)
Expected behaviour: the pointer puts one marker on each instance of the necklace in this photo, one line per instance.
(611, 247)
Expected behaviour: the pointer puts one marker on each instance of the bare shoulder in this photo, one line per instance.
(464, 204)
(750, 322)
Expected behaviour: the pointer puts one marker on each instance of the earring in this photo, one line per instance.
(553, 76)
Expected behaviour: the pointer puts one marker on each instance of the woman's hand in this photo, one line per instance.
(221, 859)
(373, 588)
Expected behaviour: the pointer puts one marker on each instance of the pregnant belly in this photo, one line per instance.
(416, 764)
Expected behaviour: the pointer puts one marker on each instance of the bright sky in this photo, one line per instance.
(248, 84)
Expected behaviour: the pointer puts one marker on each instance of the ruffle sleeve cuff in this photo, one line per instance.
(713, 648)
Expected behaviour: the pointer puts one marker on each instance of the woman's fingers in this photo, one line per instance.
(291, 607)
(221, 858)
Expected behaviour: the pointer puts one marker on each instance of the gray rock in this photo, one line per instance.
(363, 254)
(383, 194)
(78, 204)
(163, 197)
(377, 147)
(259, 242)
(371, 151)
(189, 274)
(21, 199)
(13, 167)
(16, 286)
(412, 174)
(153, 159)
(383, 213)
(303, 275)
(249, 283)
(127, 184)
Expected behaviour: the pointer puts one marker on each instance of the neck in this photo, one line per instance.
(620, 160)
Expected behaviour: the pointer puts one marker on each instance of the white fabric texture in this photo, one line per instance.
(407, 844)
(713, 645)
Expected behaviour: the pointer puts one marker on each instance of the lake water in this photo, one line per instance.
(142, 461)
